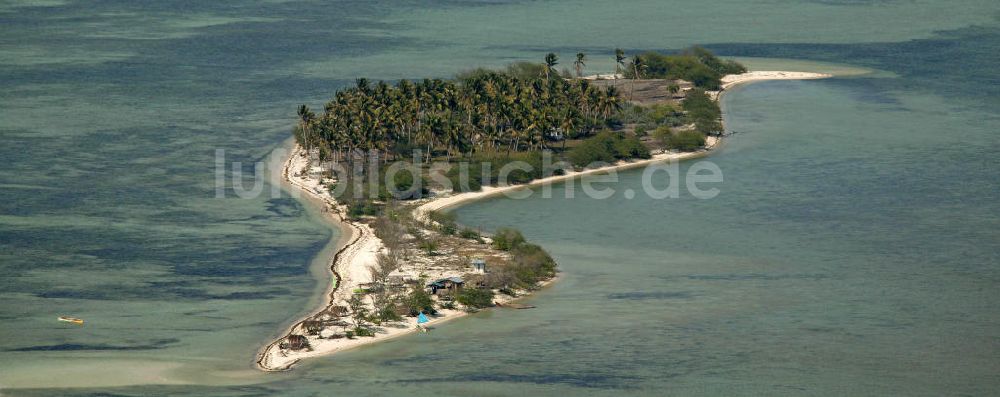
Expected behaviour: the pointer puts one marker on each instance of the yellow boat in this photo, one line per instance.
(73, 320)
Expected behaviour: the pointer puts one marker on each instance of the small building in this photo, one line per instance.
(479, 265)
(450, 284)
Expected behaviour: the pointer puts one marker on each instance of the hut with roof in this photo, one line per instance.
(446, 285)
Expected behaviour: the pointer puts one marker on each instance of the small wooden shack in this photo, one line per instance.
(449, 285)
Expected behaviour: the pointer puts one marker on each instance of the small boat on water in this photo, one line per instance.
(516, 306)
(73, 320)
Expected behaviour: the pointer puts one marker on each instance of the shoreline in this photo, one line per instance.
(454, 200)
(358, 245)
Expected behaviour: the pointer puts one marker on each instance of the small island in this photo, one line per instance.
(439, 143)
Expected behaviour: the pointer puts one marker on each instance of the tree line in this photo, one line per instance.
(526, 107)
(486, 111)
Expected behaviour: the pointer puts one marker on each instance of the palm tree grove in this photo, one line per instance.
(499, 116)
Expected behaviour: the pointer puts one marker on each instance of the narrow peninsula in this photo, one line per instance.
(388, 160)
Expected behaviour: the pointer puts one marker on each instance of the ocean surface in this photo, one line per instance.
(853, 248)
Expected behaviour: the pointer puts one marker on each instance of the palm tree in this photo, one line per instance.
(490, 111)
(619, 63)
(306, 118)
(610, 102)
(567, 124)
(638, 66)
(363, 85)
(551, 60)
(580, 58)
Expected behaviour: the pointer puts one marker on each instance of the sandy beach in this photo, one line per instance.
(732, 80)
(453, 200)
(352, 260)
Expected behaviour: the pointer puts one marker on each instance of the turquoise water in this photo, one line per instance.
(853, 249)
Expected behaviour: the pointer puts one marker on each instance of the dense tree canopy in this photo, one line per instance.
(522, 108)
(696, 65)
(482, 111)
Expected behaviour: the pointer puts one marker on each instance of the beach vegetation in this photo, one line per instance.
(687, 140)
(475, 298)
(551, 60)
(383, 297)
(492, 118)
(358, 310)
(418, 300)
(507, 239)
(607, 147)
(385, 314)
(696, 64)
(703, 112)
(520, 109)
(363, 331)
(524, 70)
(466, 178)
(619, 61)
(532, 264)
(361, 208)
(429, 246)
(313, 327)
(445, 222)
(470, 234)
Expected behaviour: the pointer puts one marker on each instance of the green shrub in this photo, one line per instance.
(360, 208)
(418, 300)
(723, 67)
(445, 220)
(607, 147)
(491, 164)
(598, 148)
(684, 140)
(631, 148)
(525, 70)
(403, 182)
(520, 176)
(475, 297)
(469, 234)
(506, 239)
(641, 130)
(662, 134)
(473, 179)
(708, 127)
(386, 314)
(429, 246)
(703, 112)
(665, 114)
(362, 331)
(532, 264)
(696, 65)
(357, 186)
